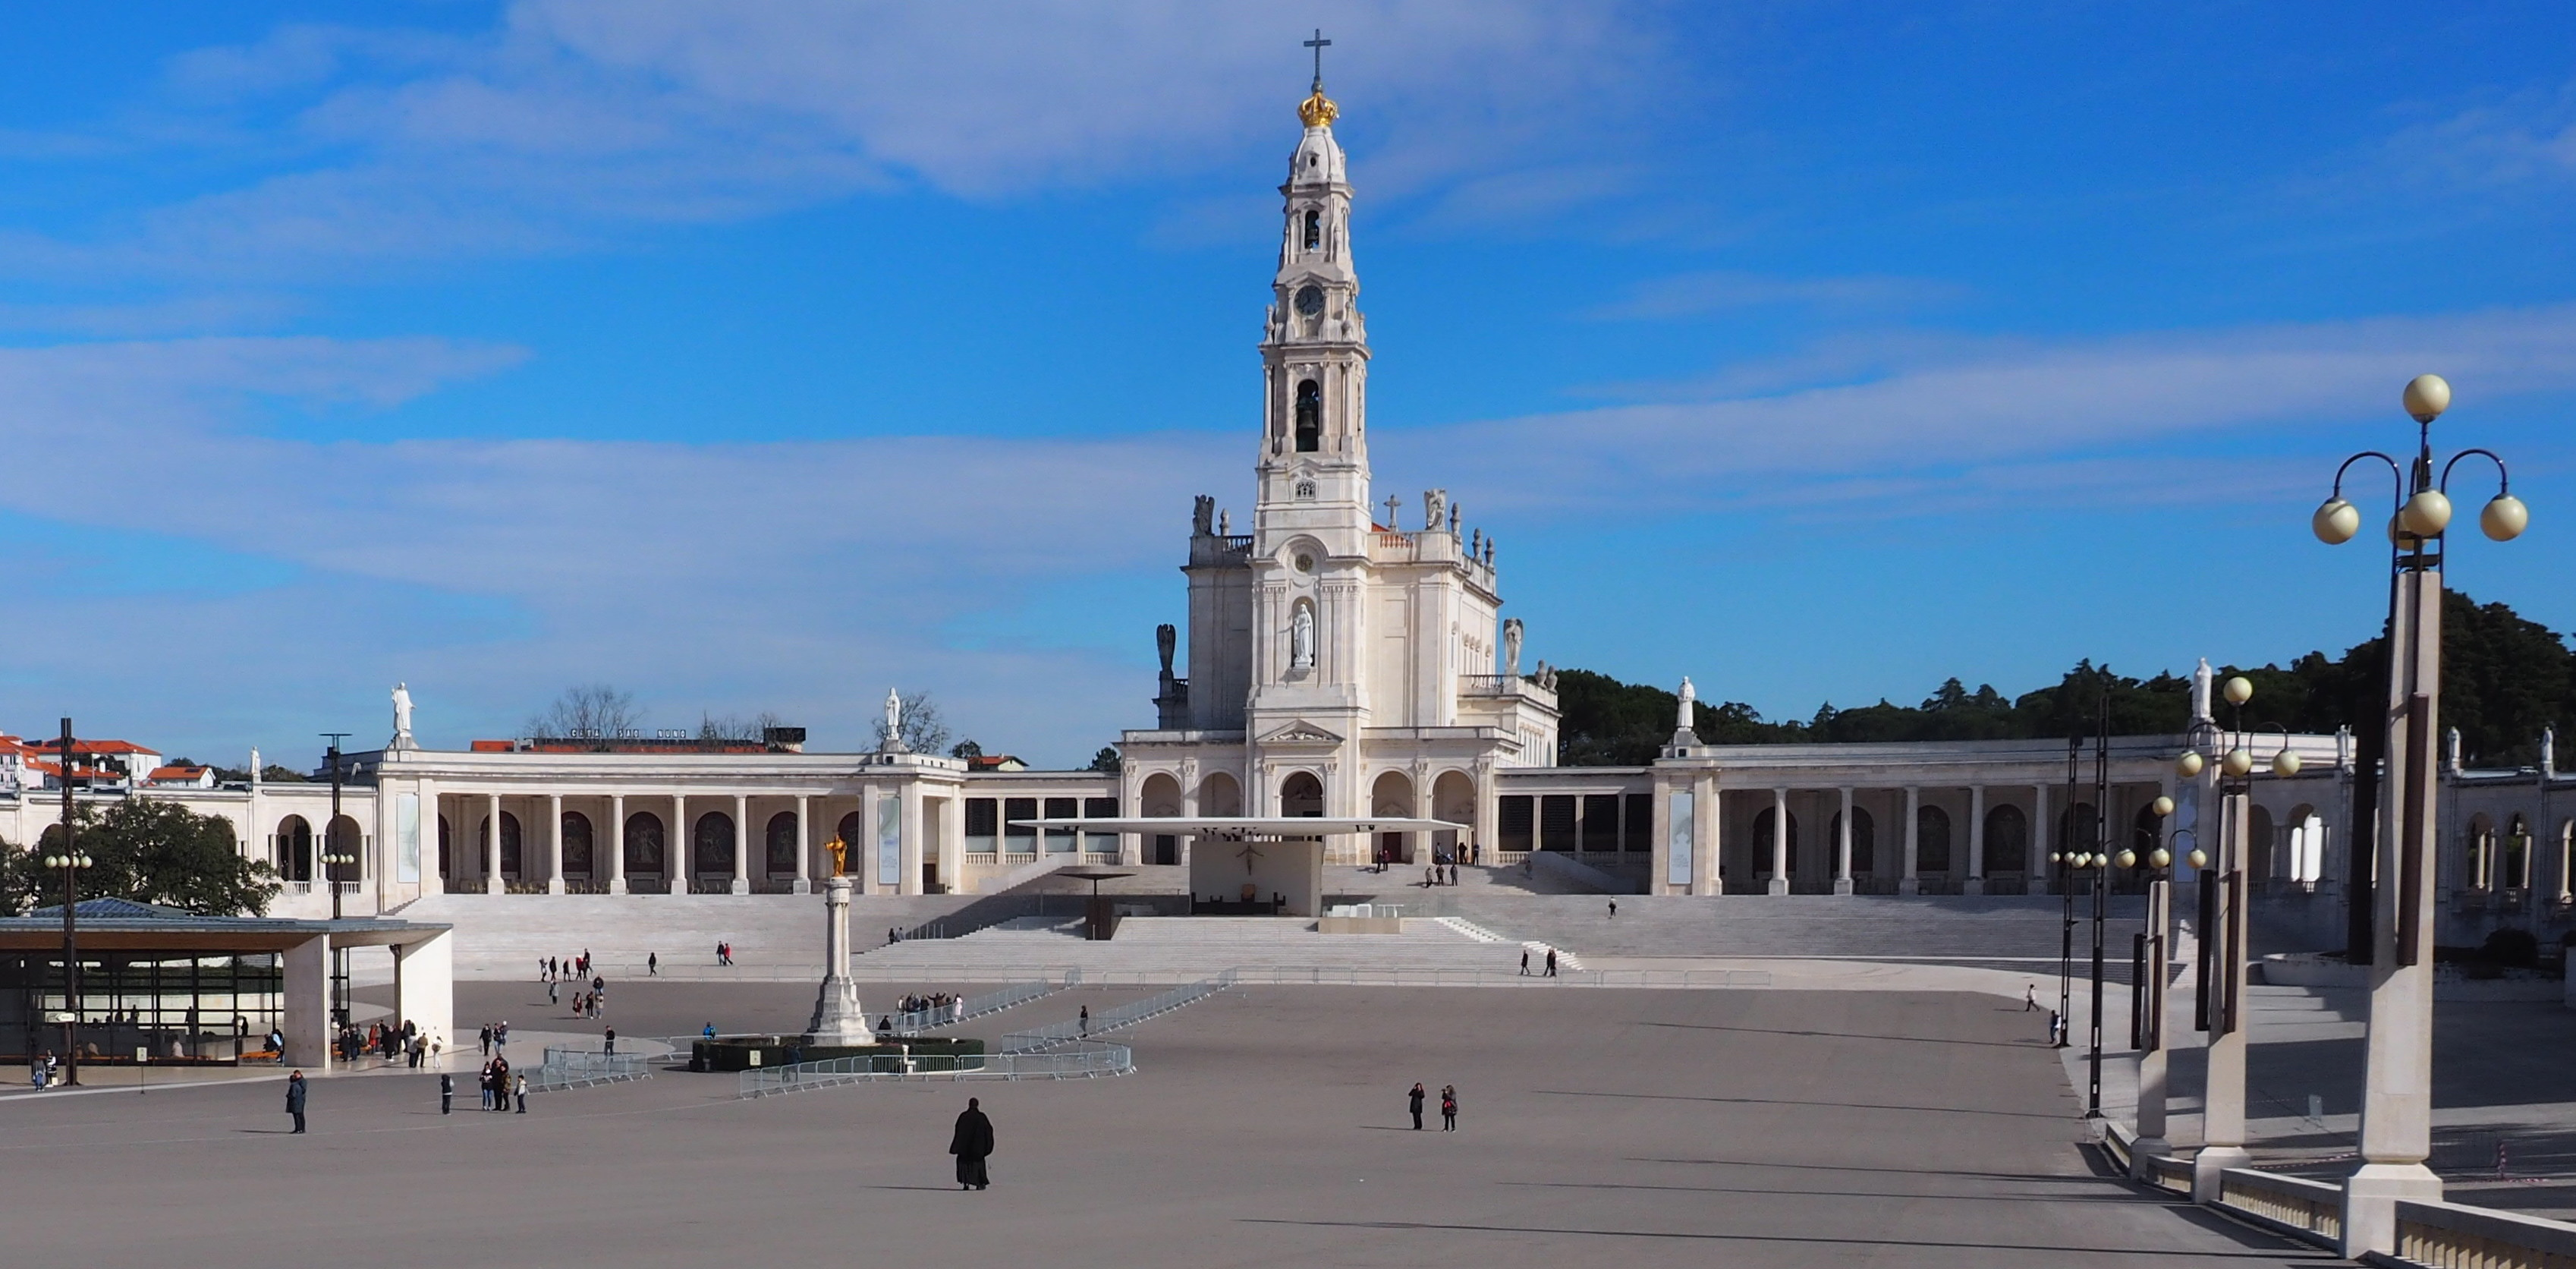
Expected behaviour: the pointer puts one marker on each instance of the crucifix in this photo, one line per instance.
(1319, 44)
(1248, 854)
(1391, 504)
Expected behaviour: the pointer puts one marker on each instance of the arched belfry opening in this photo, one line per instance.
(1310, 416)
(1314, 229)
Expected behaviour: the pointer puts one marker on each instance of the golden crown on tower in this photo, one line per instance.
(1318, 110)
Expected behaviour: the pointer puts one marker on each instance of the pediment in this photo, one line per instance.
(1301, 733)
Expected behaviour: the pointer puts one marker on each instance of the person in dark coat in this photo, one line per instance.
(1415, 1098)
(295, 1098)
(972, 1144)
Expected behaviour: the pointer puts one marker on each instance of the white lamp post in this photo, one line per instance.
(2397, 1092)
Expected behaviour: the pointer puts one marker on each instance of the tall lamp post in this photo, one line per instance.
(334, 857)
(2223, 944)
(2396, 1100)
(2148, 961)
(68, 858)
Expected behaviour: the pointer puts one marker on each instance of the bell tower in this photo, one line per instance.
(1314, 351)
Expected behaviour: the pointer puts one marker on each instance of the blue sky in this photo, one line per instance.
(762, 357)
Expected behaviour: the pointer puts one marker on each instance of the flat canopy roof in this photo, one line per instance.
(122, 925)
(1238, 827)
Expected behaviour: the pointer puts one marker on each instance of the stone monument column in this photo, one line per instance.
(838, 1017)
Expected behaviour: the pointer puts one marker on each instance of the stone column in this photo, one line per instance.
(952, 842)
(804, 883)
(2035, 863)
(554, 844)
(2222, 1123)
(616, 845)
(1842, 847)
(1708, 825)
(675, 847)
(492, 883)
(1976, 882)
(742, 845)
(2152, 1066)
(863, 852)
(1779, 841)
(911, 881)
(838, 1018)
(307, 1006)
(1906, 881)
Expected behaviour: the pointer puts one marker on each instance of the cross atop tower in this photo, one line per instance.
(1319, 44)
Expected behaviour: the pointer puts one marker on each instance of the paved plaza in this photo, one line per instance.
(1264, 1126)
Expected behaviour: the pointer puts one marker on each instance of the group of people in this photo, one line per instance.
(1443, 873)
(1448, 1107)
(551, 968)
(495, 1036)
(724, 953)
(939, 1005)
(500, 1082)
(407, 1042)
(45, 1070)
(592, 1003)
(1525, 963)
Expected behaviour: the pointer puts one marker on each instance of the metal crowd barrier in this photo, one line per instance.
(1107, 1020)
(579, 1068)
(1329, 976)
(912, 1024)
(1088, 1060)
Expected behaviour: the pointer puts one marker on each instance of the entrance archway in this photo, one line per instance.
(1392, 795)
(1160, 795)
(577, 848)
(783, 846)
(714, 840)
(294, 849)
(1301, 794)
(644, 845)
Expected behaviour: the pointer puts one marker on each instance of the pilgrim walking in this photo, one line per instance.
(295, 1098)
(972, 1144)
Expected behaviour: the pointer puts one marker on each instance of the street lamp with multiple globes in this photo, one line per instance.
(2396, 1104)
(71, 862)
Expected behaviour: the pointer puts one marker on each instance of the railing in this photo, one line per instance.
(2449, 1236)
(1081, 1061)
(983, 859)
(949, 1015)
(581, 1068)
(2312, 1209)
(710, 885)
(1503, 685)
(909, 972)
(2168, 1173)
(1122, 1017)
(524, 887)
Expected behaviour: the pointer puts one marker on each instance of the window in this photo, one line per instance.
(1512, 832)
(1556, 822)
(783, 848)
(1100, 809)
(983, 825)
(1600, 822)
(1059, 841)
(577, 845)
(1018, 838)
(1310, 416)
(1306, 490)
(1314, 230)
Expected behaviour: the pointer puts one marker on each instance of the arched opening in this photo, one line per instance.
(2007, 840)
(1392, 795)
(1310, 416)
(2480, 862)
(1161, 795)
(714, 841)
(644, 845)
(1220, 795)
(852, 831)
(2079, 828)
(1314, 230)
(1931, 842)
(1453, 798)
(294, 849)
(577, 848)
(1301, 794)
(348, 841)
(2517, 854)
(782, 844)
(509, 863)
(1864, 850)
(1762, 840)
(2261, 853)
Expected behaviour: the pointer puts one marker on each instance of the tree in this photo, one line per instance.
(276, 774)
(733, 729)
(594, 711)
(147, 850)
(1107, 760)
(965, 749)
(922, 730)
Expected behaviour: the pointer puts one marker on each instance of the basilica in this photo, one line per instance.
(1347, 658)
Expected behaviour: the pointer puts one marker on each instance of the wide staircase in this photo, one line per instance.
(1181, 949)
(773, 936)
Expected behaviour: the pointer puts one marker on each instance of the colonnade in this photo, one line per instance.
(1837, 838)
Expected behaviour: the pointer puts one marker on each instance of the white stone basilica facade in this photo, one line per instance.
(1339, 662)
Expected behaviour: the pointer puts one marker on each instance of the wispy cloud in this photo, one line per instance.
(1695, 294)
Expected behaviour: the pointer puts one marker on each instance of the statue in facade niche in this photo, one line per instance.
(1512, 646)
(1301, 639)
